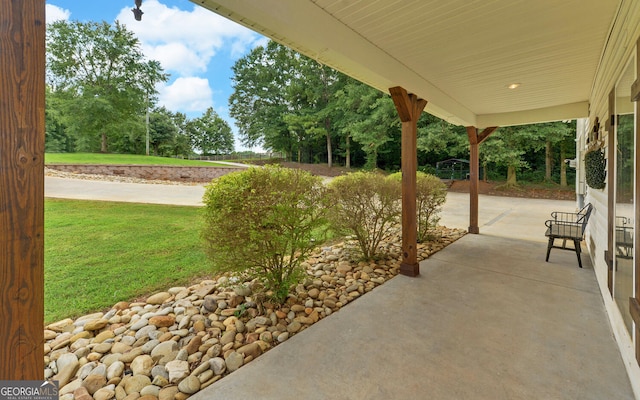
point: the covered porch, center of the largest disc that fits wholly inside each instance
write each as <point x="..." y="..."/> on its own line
<point x="481" y="65"/>
<point x="486" y="319"/>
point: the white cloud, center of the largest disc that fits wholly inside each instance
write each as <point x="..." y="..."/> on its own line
<point x="185" y="41"/>
<point x="55" y="13"/>
<point x="176" y="56"/>
<point x="188" y="94"/>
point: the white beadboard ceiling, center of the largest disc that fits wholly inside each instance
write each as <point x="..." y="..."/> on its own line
<point x="459" y="55"/>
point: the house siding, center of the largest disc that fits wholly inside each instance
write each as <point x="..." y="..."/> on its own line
<point x="625" y="32"/>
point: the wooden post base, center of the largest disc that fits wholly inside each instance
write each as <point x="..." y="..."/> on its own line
<point x="411" y="270"/>
<point x="473" y="229"/>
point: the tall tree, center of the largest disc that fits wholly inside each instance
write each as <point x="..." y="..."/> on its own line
<point x="181" y="142"/>
<point x="567" y="150"/>
<point x="57" y="140"/>
<point x="348" y="100"/>
<point x="506" y="147"/>
<point x="311" y="94"/>
<point x="259" y="100"/>
<point x="550" y="136"/>
<point x="102" y="81"/>
<point x="284" y="100"/>
<point x="440" y="140"/>
<point x="369" y="118"/>
<point x="510" y="146"/>
<point x="162" y="131"/>
<point x="211" y="134"/>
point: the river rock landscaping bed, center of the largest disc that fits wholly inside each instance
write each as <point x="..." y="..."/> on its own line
<point x="178" y="342"/>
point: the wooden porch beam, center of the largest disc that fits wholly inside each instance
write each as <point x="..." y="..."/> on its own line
<point x="22" y="84"/>
<point x="475" y="139"/>
<point x="409" y="108"/>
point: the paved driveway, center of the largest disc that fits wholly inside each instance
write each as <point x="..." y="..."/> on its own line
<point x="517" y="218"/>
<point x="80" y="189"/>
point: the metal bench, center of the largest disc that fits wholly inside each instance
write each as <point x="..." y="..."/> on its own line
<point x="568" y="227"/>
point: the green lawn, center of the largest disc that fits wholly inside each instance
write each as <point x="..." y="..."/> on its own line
<point x="135" y="159"/>
<point x="99" y="253"/>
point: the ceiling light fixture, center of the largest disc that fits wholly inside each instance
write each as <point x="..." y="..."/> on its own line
<point x="513" y="85"/>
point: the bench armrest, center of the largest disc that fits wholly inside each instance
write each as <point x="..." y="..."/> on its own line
<point x="551" y="222"/>
<point x="559" y="216"/>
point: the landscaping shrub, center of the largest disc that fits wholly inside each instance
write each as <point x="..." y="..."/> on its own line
<point x="427" y="169"/>
<point x="365" y="204"/>
<point x="264" y="221"/>
<point x="431" y="194"/>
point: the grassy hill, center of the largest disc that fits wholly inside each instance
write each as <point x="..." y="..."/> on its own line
<point x="131" y="159"/>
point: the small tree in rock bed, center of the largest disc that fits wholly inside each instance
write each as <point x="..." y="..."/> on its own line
<point x="431" y="194"/>
<point x="264" y="221"/>
<point x="365" y="204"/>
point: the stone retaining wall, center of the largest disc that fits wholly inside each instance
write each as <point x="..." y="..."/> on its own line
<point x="159" y="172"/>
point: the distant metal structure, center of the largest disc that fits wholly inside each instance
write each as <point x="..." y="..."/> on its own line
<point x="453" y="168"/>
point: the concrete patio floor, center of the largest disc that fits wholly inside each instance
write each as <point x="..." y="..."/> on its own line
<point x="487" y="318"/>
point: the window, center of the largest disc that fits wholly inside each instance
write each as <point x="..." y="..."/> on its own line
<point x="623" y="270"/>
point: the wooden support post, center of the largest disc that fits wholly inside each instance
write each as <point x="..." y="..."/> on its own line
<point x="474" y="169"/>
<point x="22" y="88"/>
<point x="474" y="172"/>
<point x="409" y="108"/>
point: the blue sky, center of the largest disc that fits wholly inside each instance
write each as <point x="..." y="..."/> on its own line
<point x="195" y="46"/>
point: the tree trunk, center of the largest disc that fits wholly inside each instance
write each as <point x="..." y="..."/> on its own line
<point x="374" y="160"/>
<point x="563" y="167"/>
<point x="348" y="152"/>
<point x="327" y="126"/>
<point x="547" y="161"/>
<point x="103" y="143"/>
<point x="484" y="173"/>
<point x="511" y="176"/>
<point x="327" y="120"/>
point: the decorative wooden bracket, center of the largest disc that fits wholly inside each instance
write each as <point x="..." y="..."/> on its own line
<point x="409" y="106"/>
<point x="476" y="137"/>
